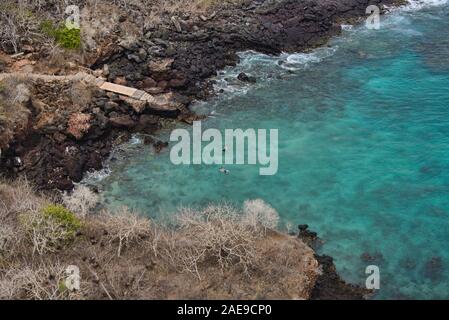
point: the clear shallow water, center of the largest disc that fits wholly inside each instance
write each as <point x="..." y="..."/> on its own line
<point x="363" y="151"/>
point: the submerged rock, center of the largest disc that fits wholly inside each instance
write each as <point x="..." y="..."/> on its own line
<point x="434" y="268"/>
<point x="246" y="78"/>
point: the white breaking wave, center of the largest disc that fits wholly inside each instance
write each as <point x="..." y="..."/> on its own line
<point x="266" y="68"/>
<point x="97" y="176"/>
<point x="414" y="5"/>
<point x="135" y="139"/>
<point x="301" y="61"/>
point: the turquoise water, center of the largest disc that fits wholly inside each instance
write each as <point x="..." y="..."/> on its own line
<point x="363" y="151"/>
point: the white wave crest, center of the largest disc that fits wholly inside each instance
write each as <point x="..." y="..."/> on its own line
<point x="300" y="61"/>
<point x="414" y="5"/>
<point x="97" y="176"/>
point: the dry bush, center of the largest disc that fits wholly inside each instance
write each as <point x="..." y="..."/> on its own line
<point x="36" y="282"/>
<point x="19" y="197"/>
<point x="14" y="114"/>
<point x="81" y="201"/>
<point x="123" y="228"/>
<point x="44" y="234"/>
<point x="259" y="214"/>
<point x="8" y="239"/>
<point x="17" y="25"/>
<point x="15" y="198"/>
<point x="167" y="6"/>
<point x="28" y="218"/>
<point x="214" y="235"/>
<point x="21" y="21"/>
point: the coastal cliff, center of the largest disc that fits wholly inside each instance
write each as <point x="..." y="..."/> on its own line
<point x="54" y="130"/>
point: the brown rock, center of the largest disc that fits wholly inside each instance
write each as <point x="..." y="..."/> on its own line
<point x="19" y="65"/>
<point x="149" y="83"/>
<point x="176" y="23"/>
<point x="122" y="122"/>
<point x="177" y="83"/>
<point x="121" y="81"/>
<point x="162" y="84"/>
<point x="59" y="137"/>
<point x="137" y="105"/>
<point x="165" y="104"/>
<point x="44" y="120"/>
<point x="159" y="66"/>
<point x="148" y="123"/>
<point x="79" y="125"/>
<point x="38" y="105"/>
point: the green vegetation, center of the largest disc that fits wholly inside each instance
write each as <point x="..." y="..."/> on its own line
<point x="65" y="37"/>
<point x="50" y="228"/>
<point x="63" y="217"/>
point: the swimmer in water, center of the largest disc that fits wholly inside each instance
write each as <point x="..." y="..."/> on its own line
<point x="225" y="148"/>
<point x="225" y="171"/>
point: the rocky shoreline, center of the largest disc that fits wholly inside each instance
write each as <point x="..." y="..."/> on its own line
<point x="329" y="285"/>
<point x="174" y="62"/>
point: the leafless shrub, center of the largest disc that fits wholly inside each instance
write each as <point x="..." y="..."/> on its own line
<point x="15" y="198"/>
<point x="259" y="214"/>
<point x="19" y="197"/>
<point x="8" y="239"/>
<point x="81" y="201"/>
<point x="124" y="228"/>
<point x="17" y="25"/>
<point x="45" y="234"/>
<point x="38" y="282"/>
<point x="215" y="235"/>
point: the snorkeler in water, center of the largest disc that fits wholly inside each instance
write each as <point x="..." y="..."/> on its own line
<point x="225" y="171"/>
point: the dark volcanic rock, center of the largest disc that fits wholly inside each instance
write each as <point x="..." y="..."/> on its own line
<point x="309" y="237"/>
<point x="246" y="78"/>
<point x="329" y="285"/>
<point x="183" y="61"/>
